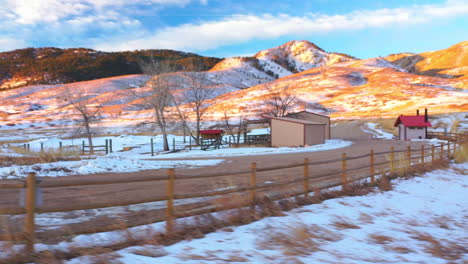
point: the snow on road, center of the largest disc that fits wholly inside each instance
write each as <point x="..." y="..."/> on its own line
<point x="137" y="155"/>
<point x="251" y="151"/>
<point x="372" y="128"/>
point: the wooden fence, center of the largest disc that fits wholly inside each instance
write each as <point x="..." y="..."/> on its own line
<point x="392" y="161"/>
<point x="455" y="137"/>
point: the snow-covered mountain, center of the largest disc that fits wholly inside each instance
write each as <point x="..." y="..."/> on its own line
<point x="297" y="56"/>
<point x="271" y="64"/>
<point x="334" y="84"/>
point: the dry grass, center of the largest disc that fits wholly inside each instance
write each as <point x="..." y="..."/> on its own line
<point x="380" y="239"/>
<point x="455" y="125"/>
<point x="344" y="223"/>
<point x="298" y="239"/>
<point x="461" y="155"/>
<point x="442" y="249"/>
<point x="46" y="156"/>
<point x="384" y="183"/>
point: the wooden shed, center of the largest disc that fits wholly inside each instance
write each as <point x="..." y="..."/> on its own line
<point x="291" y="132"/>
<point x="314" y="117"/>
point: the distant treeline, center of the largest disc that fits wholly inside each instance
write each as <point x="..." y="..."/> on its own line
<point x="54" y="65"/>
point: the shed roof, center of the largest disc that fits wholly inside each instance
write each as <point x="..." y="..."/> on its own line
<point x="307" y="112"/>
<point x="299" y="121"/>
<point x="412" y="121"/>
<point x="211" y="132"/>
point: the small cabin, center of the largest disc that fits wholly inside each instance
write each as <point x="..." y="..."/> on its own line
<point x="413" y="127"/>
<point x="292" y="132"/>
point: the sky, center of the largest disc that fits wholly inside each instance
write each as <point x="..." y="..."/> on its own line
<point x="225" y="28"/>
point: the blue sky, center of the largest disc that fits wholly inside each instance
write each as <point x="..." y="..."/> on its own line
<point x="223" y="28"/>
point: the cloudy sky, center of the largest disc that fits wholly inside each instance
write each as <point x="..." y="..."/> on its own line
<point x="222" y="28"/>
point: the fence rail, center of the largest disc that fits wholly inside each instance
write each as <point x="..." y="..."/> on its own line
<point x="342" y="174"/>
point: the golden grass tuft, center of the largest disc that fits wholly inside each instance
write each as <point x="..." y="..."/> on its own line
<point x="461" y="155"/>
<point x="344" y="223"/>
<point x="442" y="249"/>
<point x="48" y="155"/>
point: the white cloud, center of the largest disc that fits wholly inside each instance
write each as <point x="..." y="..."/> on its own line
<point x="242" y="28"/>
<point x="29" y="12"/>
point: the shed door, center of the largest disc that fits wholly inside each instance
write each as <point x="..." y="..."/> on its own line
<point x="314" y="134"/>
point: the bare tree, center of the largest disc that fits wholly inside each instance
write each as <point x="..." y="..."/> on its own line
<point x="234" y="130"/>
<point x="159" y="96"/>
<point x="278" y="102"/>
<point x="195" y="100"/>
<point x="89" y="111"/>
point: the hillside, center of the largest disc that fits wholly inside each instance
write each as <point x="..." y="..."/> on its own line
<point x="53" y="65"/>
<point x="451" y="62"/>
<point x="365" y="88"/>
<point x="328" y="83"/>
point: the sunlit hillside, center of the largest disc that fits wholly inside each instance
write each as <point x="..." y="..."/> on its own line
<point x="450" y="62"/>
<point x="329" y="83"/>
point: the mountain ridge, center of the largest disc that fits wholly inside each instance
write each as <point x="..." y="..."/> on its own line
<point x="50" y="65"/>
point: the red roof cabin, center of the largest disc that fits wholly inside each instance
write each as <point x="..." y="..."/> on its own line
<point x="413" y="127"/>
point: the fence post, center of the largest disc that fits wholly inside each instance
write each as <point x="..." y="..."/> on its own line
<point x="448" y="150"/>
<point x="173" y="143"/>
<point x="392" y="160"/>
<point x="110" y="145"/>
<point x="408" y="157"/>
<point x="30" y="206"/>
<point x="422" y="155"/>
<point x="344" y="177"/>
<point x="29" y="147"/>
<point x="152" y="147"/>
<point x="306" y="177"/>
<point x="60" y="146"/>
<point x="42" y="146"/>
<point x="83" y="147"/>
<point x="107" y="146"/>
<point x="432" y="154"/>
<point x="253" y="183"/>
<point x="442" y="151"/>
<point x="372" y="169"/>
<point x="170" y="201"/>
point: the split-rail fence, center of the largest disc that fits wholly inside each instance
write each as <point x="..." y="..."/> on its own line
<point x="379" y="163"/>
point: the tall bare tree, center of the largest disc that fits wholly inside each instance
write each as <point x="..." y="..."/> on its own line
<point x="195" y="99"/>
<point x="89" y="110"/>
<point x="278" y="102"/>
<point x="199" y="98"/>
<point x="159" y="95"/>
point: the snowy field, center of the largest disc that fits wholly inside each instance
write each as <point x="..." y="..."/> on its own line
<point x="422" y="220"/>
<point x="409" y="224"/>
<point x="133" y="153"/>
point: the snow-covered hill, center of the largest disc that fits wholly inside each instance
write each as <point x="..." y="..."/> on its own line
<point x="330" y="83"/>
<point x="297" y="56"/>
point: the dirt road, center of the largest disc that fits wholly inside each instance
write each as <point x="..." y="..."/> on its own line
<point x="135" y="191"/>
